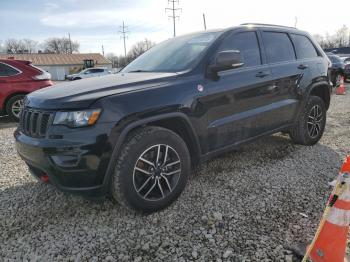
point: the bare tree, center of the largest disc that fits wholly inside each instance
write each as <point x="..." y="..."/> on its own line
<point x="341" y="38"/>
<point x="136" y="50"/>
<point x="139" y="48"/>
<point x="14" y="46"/>
<point x="61" y="45"/>
<point x="30" y="45"/>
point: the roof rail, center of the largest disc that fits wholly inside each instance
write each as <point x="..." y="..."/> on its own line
<point x="267" y="25"/>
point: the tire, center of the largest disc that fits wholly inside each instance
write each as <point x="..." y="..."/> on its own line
<point x="76" y="78"/>
<point x="310" y="125"/>
<point x="13" y="106"/>
<point x="142" y="185"/>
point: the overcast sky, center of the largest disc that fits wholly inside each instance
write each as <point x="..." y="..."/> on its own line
<point x="96" y="22"/>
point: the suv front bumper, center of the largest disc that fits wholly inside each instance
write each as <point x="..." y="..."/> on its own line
<point x="75" y="163"/>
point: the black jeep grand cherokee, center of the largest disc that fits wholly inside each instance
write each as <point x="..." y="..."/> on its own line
<point x="136" y="135"/>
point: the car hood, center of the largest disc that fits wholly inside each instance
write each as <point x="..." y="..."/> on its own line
<point x="82" y="93"/>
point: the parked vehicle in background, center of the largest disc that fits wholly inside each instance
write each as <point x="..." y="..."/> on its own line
<point x="337" y="69"/>
<point x="345" y="59"/>
<point x="89" y="72"/>
<point x="347" y="71"/>
<point x="137" y="134"/>
<point x="17" y="79"/>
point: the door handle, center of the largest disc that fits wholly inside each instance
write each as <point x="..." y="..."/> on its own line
<point x="302" y="66"/>
<point x="262" y="74"/>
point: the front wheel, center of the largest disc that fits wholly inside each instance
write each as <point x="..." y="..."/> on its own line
<point x="310" y="125"/>
<point x="152" y="169"/>
<point x="14" y="105"/>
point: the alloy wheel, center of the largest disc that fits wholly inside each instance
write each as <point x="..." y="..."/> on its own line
<point x="157" y="172"/>
<point x="314" y="122"/>
<point x="16" y="107"/>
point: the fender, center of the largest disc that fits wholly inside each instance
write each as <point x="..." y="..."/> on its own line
<point x="306" y="94"/>
<point x="328" y="91"/>
<point x="139" y="123"/>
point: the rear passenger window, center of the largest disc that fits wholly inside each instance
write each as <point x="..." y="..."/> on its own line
<point x="6" y="70"/>
<point x="247" y="44"/>
<point x="303" y="47"/>
<point x="278" y="47"/>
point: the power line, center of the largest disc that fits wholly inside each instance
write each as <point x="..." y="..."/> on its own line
<point x="123" y="31"/>
<point x="173" y="10"/>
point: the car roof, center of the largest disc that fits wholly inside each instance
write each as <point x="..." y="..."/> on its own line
<point x="15" y="60"/>
<point x="259" y="26"/>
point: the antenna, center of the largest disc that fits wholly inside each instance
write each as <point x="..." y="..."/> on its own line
<point x="173" y="10"/>
<point x="205" y="24"/>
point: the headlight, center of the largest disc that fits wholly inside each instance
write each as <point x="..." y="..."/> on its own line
<point x="77" y="118"/>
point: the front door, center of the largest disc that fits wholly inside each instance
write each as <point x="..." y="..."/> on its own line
<point x="239" y="102"/>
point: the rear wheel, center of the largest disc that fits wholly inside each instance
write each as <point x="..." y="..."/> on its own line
<point x="309" y="128"/>
<point x="152" y="169"/>
<point x="14" y="105"/>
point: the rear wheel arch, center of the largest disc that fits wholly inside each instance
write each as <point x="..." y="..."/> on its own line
<point x="321" y="90"/>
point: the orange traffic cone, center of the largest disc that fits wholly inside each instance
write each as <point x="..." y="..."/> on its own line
<point x="329" y="243"/>
<point x="341" y="87"/>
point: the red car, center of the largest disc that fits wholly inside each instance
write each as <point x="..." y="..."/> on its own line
<point x="18" y="78"/>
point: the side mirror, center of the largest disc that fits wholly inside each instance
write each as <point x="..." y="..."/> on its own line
<point x="226" y="60"/>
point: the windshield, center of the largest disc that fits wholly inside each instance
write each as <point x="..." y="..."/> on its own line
<point x="177" y="54"/>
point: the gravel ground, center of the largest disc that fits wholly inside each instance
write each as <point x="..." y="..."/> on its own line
<point x="255" y="204"/>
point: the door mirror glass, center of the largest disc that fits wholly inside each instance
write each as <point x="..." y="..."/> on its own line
<point x="228" y="59"/>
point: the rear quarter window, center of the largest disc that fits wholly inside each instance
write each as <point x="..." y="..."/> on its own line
<point x="278" y="47"/>
<point x="7" y="70"/>
<point x="303" y="47"/>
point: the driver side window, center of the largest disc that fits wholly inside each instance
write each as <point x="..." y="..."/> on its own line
<point x="247" y="44"/>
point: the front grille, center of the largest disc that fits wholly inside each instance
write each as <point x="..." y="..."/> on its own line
<point x="35" y="122"/>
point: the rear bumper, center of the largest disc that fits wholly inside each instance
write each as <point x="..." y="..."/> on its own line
<point x="76" y="165"/>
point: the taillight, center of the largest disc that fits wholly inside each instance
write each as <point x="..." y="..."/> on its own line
<point x="42" y="76"/>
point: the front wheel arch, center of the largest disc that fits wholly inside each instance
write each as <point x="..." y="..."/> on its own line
<point x="158" y="120"/>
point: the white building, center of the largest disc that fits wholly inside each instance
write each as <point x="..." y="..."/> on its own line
<point x="60" y="65"/>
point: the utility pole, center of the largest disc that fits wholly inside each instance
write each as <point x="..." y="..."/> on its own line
<point x="70" y="44"/>
<point x="205" y="24"/>
<point x="296" y="22"/>
<point x="103" y="51"/>
<point x="124" y="31"/>
<point x="173" y="10"/>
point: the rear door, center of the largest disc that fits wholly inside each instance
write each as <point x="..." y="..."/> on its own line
<point x="310" y="61"/>
<point x="238" y="102"/>
<point x="286" y="76"/>
<point x="8" y="80"/>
